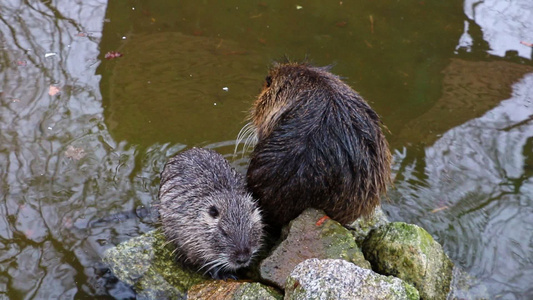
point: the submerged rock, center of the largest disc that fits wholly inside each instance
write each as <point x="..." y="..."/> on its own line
<point x="466" y="286"/>
<point x="233" y="290"/>
<point x="339" y="279"/>
<point x="410" y="253"/>
<point x="146" y="263"/>
<point x="310" y="235"/>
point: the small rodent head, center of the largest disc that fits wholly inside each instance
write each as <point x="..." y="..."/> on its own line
<point x="234" y="229"/>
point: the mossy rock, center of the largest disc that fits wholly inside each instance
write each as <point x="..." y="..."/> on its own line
<point x="411" y="254"/>
<point x="147" y="263"/>
<point x="310" y="235"/>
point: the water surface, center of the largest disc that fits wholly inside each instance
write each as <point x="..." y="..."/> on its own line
<point x="83" y="138"/>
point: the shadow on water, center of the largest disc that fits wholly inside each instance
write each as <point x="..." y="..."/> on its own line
<point x="83" y="139"/>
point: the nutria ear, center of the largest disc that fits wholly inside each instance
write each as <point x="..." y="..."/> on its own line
<point x="268" y="80"/>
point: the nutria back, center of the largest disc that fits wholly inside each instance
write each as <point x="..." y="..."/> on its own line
<point x="207" y="213"/>
<point x="319" y="145"/>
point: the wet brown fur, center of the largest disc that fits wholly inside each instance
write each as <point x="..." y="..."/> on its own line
<point x="319" y="145"/>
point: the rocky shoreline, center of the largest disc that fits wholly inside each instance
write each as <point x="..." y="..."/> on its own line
<point x="315" y="258"/>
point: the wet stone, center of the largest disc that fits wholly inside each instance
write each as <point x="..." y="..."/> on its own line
<point x="361" y="227"/>
<point x="310" y="235"/>
<point x="410" y="253"/>
<point x="147" y="264"/>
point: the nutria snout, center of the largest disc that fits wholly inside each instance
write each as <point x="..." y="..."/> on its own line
<point x="207" y="213"/>
<point x="319" y="144"/>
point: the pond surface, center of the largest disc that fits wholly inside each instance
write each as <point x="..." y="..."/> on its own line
<point x="84" y="138"/>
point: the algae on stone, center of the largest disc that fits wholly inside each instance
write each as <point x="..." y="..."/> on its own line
<point x="130" y="260"/>
<point x="399" y="249"/>
<point x="361" y="227"/>
<point x="410" y="253"/>
<point x="310" y="235"/>
<point x="339" y="279"/>
<point x="146" y="262"/>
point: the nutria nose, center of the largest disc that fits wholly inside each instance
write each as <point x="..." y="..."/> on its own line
<point x="243" y="255"/>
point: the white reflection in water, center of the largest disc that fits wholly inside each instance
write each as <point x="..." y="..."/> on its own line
<point x="504" y="24"/>
<point x="465" y="41"/>
<point x="48" y="198"/>
<point x="481" y="174"/>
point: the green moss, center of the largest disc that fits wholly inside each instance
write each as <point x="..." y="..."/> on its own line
<point x="164" y="264"/>
<point x="410" y="253"/>
<point x="146" y="262"/>
<point x="341" y="244"/>
<point x="256" y="290"/>
<point x="411" y="292"/>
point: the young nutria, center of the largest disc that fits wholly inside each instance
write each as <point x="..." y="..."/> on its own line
<point x="207" y="213"/>
<point x="319" y="144"/>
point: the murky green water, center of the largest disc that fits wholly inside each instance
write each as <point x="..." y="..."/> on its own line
<point x="450" y="79"/>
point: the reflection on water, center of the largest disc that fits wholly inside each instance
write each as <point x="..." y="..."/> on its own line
<point x="479" y="174"/>
<point x="47" y="249"/>
<point x="504" y="24"/>
<point x="469" y="89"/>
<point x="79" y="169"/>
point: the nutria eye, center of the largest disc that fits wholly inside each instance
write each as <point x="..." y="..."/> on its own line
<point x="213" y="211"/>
<point x="268" y="81"/>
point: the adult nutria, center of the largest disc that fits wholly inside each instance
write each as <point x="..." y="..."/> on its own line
<point x="207" y="213"/>
<point x="319" y="144"/>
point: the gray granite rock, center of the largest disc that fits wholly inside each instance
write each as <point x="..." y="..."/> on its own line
<point x="339" y="279"/>
<point x="310" y="235"/>
<point x="410" y="253"/>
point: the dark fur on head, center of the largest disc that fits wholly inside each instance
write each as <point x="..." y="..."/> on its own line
<point x="319" y="144"/>
<point x="207" y="213"/>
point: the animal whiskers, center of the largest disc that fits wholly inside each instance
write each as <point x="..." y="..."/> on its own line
<point x="247" y="134"/>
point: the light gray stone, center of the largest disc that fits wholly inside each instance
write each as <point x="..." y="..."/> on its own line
<point x="339" y="279"/>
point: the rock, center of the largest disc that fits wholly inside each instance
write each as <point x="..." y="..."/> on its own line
<point x="146" y="263"/>
<point x="310" y="235"/>
<point x="339" y="279"/>
<point x="233" y="290"/>
<point x="410" y="253"/>
<point x="362" y="226"/>
<point x="465" y="286"/>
